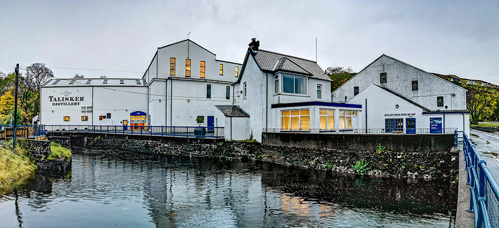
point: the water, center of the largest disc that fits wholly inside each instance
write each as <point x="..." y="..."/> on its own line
<point x="182" y="192"/>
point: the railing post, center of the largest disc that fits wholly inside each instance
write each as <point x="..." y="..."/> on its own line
<point x="162" y="130"/>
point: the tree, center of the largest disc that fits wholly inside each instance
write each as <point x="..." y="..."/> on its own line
<point x="339" y="75"/>
<point x="481" y="103"/>
<point x="36" y="75"/>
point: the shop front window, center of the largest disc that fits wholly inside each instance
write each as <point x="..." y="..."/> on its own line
<point x="326" y="119"/>
<point x="295" y="120"/>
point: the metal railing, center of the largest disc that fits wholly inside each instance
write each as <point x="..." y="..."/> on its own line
<point x="23" y="131"/>
<point x="172" y="131"/>
<point x="359" y="131"/>
<point x="484" y="199"/>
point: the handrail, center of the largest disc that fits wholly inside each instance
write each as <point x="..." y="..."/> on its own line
<point x="481" y="181"/>
<point x="175" y="131"/>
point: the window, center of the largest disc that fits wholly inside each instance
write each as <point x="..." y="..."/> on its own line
<point x="346" y="118"/>
<point x="108" y="115"/>
<point x="415" y="85"/>
<point x="208" y="91"/>
<point x="355" y="90"/>
<point x="237" y="72"/>
<point x="221" y="69"/>
<point x="382" y="78"/>
<point x="276" y="84"/>
<point x="227" y="92"/>
<point x="440" y="101"/>
<point x="85" y="109"/>
<point x="203" y="65"/>
<point x="327" y="119"/>
<point x="295" y="119"/>
<point x="102" y="117"/>
<point x="294" y="84"/>
<point x="319" y="91"/>
<point x="187" y="67"/>
<point x="67" y="118"/>
<point x="394" y="125"/>
<point x="84" y="118"/>
<point x="244" y="90"/>
<point x="172" y="66"/>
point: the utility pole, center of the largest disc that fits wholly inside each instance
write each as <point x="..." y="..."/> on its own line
<point x="15" y="107"/>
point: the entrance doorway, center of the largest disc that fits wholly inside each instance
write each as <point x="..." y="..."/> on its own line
<point x="211" y="123"/>
<point x="410" y="126"/>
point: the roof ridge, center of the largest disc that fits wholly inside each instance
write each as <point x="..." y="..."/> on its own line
<point x="403" y="97"/>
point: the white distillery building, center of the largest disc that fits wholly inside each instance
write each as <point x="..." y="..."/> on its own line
<point x="400" y="98"/>
<point x="280" y="93"/>
<point x="184" y="81"/>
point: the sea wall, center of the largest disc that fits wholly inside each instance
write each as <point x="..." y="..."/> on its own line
<point x="378" y="161"/>
<point x="39" y="151"/>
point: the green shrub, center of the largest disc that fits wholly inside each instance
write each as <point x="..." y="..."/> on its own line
<point x="361" y="167"/>
<point x="57" y="151"/>
<point x="380" y="149"/>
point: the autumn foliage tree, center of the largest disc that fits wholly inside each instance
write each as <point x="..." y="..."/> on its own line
<point x="481" y="103"/>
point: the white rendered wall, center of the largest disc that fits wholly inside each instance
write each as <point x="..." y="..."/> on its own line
<point x="119" y="101"/>
<point x="292" y="98"/>
<point x="399" y="79"/>
<point x="240" y="128"/>
<point x="158" y="102"/>
<point x="187" y="100"/>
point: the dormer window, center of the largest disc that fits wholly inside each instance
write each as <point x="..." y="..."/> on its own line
<point x="294" y="84"/>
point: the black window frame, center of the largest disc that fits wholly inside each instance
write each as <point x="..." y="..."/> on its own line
<point x="355" y="90"/>
<point x="208" y="91"/>
<point x="415" y="85"/>
<point x="227" y="92"/>
<point x="440" y="101"/>
<point x="383" y="77"/>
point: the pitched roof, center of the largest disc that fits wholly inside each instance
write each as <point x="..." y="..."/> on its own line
<point x="267" y="60"/>
<point x="79" y="82"/>
<point x="232" y="110"/>
<point x="404" y="98"/>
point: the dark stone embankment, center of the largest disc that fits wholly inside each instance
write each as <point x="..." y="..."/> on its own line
<point x="380" y="162"/>
<point x="39" y="151"/>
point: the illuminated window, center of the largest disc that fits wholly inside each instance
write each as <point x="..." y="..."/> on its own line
<point x="84" y="118"/>
<point x="172" y="66"/>
<point x="221" y="69"/>
<point x="237" y="72"/>
<point x="102" y="117"/>
<point x="67" y="118"/>
<point x="327" y="119"/>
<point x="203" y="65"/>
<point x="187" y="67"/>
<point x="295" y="120"/>
<point x="346" y="118"/>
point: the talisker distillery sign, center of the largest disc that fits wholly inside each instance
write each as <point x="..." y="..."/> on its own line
<point x="65" y="101"/>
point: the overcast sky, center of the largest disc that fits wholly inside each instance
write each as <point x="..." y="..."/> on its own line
<point x="447" y="37"/>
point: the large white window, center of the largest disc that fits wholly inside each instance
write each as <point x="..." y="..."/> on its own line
<point x="346" y="118"/>
<point x="295" y="119"/>
<point x="327" y="119"/>
<point x="294" y="84"/>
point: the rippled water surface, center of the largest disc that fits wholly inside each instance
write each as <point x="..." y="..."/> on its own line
<point x="182" y="192"/>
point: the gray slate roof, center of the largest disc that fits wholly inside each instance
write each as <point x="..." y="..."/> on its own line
<point x="232" y="111"/>
<point x="267" y="60"/>
<point x="78" y="82"/>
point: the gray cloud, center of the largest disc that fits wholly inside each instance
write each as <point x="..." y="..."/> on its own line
<point x="448" y="37"/>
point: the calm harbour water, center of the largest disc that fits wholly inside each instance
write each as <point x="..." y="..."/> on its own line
<point x="182" y="192"/>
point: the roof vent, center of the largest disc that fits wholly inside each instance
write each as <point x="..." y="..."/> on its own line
<point x="138" y="81"/>
<point x="122" y="82"/>
<point x="105" y="81"/>
<point x="56" y="81"/>
<point x="88" y="81"/>
<point x="72" y="82"/>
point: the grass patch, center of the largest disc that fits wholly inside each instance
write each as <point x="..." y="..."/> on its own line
<point x="58" y="151"/>
<point x="14" y="167"/>
<point x="485" y="125"/>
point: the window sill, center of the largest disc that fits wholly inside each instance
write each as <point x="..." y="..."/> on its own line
<point x="291" y="94"/>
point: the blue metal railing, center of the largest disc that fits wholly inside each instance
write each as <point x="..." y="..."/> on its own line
<point x="172" y="131"/>
<point x="484" y="200"/>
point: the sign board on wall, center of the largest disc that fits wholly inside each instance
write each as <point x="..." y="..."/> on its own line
<point x="435" y="125"/>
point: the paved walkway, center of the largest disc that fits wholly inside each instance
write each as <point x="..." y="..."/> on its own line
<point x="464" y="219"/>
<point x="487" y="145"/>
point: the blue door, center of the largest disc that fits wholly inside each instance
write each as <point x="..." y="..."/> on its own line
<point x="410" y="126"/>
<point x="435" y="125"/>
<point x="211" y="123"/>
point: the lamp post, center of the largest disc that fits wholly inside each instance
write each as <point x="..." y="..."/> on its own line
<point x="15" y="107"/>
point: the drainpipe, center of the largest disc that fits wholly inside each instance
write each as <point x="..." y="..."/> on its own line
<point x="171" y="100"/>
<point x="266" y="101"/>
<point x="366" y="115"/>
<point x="230" y="128"/>
<point x="166" y="102"/>
<point x="444" y="121"/>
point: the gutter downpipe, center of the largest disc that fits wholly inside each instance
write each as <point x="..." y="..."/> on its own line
<point x="231" y="128"/>
<point x="166" y="102"/>
<point x="366" y="116"/>
<point x="171" y="100"/>
<point x="444" y="122"/>
<point x="266" y="101"/>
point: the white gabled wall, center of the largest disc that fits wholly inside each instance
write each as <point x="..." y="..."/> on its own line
<point x="157" y="102"/>
<point x="399" y="79"/>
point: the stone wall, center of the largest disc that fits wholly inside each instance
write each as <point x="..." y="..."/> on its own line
<point x="359" y="142"/>
<point x="39" y="151"/>
<point x="405" y="164"/>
